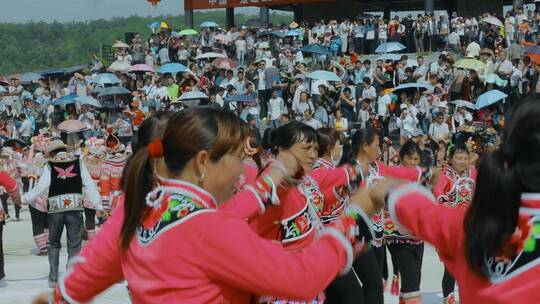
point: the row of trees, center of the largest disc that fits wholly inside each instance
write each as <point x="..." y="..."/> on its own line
<point x="35" y="46"/>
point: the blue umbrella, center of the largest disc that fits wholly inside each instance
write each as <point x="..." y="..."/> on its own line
<point x="64" y="100"/>
<point x="30" y="77"/>
<point x="390" y="47"/>
<point x="106" y="78"/>
<point x="489" y="98"/>
<point x="172" y="68"/>
<point x="315" y="49"/>
<point x="324" y="75"/>
<point x="294" y="33"/>
<point x="209" y="24"/>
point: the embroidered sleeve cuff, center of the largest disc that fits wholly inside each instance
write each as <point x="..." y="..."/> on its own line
<point x="396" y="195"/>
<point x="338" y="235"/>
<point x="364" y="223"/>
<point x="262" y="207"/>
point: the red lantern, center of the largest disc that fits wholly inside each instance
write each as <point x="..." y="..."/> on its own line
<point x="154" y="2"/>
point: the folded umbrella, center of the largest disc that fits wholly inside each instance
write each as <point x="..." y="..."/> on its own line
<point x="470" y="64"/>
<point x="324" y="75"/>
<point x="172" y="68"/>
<point x="489" y="98"/>
<point x="390" y="47"/>
<point x="64" y="100"/>
<point x="106" y="78"/>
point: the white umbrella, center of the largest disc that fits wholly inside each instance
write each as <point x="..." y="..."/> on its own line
<point x="120" y="44"/>
<point x="210" y="55"/>
<point x="463" y="104"/>
<point x="193" y="95"/>
<point x="493" y="20"/>
<point x="88" y="100"/>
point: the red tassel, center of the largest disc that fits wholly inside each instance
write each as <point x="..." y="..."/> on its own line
<point x="155" y="149"/>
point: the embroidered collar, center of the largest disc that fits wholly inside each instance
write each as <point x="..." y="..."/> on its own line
<point x="185" y="187"/>
<point x="323" y="163"/>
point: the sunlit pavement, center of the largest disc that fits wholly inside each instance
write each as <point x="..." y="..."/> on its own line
<point x="26" y="273"/>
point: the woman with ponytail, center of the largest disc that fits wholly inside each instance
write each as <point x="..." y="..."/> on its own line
<point x="364" y="152"/>
<point x="172" y="245"/>
<point x="491" y="247"/>
<point x="303" y="210"/>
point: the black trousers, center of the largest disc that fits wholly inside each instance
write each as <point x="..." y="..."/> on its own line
<point x="369" y="272"/>
<point x="90" y="218"/>
<point x="4" y="197"/>
<point x="39" y="221"/>
<point x="2" y="274"/>
<point x="448" y="283"/>
<point x="345" y="289"/>
<point x="409" y="259"/>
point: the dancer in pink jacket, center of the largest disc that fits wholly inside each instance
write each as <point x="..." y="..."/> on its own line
<point x="172" y="245"/>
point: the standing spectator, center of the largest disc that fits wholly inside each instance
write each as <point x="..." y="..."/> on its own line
<point x="276" y="108"/>
<point x="310" y="121"/>
<point x="382" y="31"/>
<point x="241" y="47"/>
<point x="25" y="130"/>
<point x="321" y="114"/>
<point x="346" y="104"/>
<point x="383" y="113"/>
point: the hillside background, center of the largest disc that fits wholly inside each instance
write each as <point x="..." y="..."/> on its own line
<point x="34" y="46"/>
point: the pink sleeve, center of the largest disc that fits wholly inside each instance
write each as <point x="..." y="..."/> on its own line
<point x="413" y="210"/>
<point x="328" y="179"/>
<point x="438" y="189"/>
<point x="413" y="174"/>
<point x="7" y="182"/>
<point x="263" y="267"/>
<point x="245" y="203"/>
<point x="98" y="265"/>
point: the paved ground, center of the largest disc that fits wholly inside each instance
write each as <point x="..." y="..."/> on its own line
<point x="26" y="274"/>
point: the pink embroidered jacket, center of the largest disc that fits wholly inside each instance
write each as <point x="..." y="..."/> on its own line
<point x="454" y="190"/>
<point x="515" y="280"/>
<point x="193" y="253"/>
<point x="296" y="220"/>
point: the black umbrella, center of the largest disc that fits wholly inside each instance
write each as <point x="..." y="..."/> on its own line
<point x="276" y="34"/>
<point x="242" y="98"/>
<point x="114" y="90"/>
<point x="13" y="142"/>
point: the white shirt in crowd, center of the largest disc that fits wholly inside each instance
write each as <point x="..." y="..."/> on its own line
<point x="314" y="123"/>
<point x="369" y="93"/>
<point x="276" y="107"/>
<point x="382" y="105"/>
<point x="439" y="131"/>
<point x="406" y="124"/>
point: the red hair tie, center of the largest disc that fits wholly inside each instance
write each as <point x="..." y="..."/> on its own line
<point x="155" y="149"/>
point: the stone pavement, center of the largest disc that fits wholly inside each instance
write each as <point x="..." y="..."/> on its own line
<point x="26" y="274"/>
